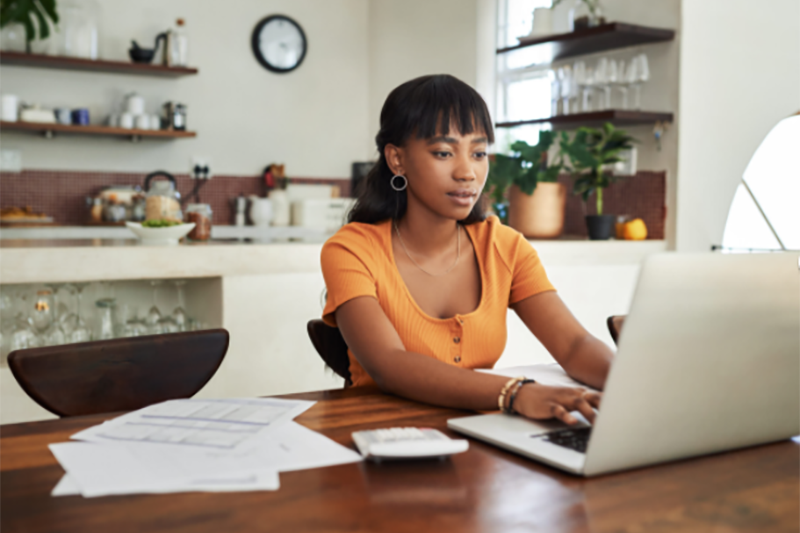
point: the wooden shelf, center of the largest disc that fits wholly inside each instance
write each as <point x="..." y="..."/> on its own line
<point x="49" y="129"/>
<point x="21" y="59"/>
<point x="618" y="117"/>
<point x="609" y="36"/>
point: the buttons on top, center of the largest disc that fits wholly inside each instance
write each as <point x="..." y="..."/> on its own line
<point x="456" y="339"/>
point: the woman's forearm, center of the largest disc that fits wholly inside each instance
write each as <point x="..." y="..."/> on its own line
<point x="422" y="378"/>
<point x="589" y="361"/>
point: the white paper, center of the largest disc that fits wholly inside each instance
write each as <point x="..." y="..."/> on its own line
<point x="66" y="487"/>
<point x="101" y="470"/>
<point x="546" y="374"/>
<point x="131" y="467"/>
<point x="224" y="424"/>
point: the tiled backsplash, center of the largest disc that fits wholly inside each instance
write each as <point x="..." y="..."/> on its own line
<point x="62" y="195"/>
<point x="642" y="196"/>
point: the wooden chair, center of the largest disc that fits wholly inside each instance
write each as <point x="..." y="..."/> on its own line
<point x="614" y="324"/>
<point x="331" y="347"/>
<point x="119" y="374"/>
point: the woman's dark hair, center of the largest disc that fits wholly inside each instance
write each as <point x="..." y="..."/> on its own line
<point x="424" y="107"/>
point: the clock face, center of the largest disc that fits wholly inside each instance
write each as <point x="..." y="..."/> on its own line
<point x="279" y="43"/>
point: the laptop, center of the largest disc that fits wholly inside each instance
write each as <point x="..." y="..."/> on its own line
<point x="708" y="361"/>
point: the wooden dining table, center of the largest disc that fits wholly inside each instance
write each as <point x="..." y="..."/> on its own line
<point x="485" y="489"/>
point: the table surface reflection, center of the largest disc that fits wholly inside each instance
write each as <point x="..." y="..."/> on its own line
<point x="483" y="490"/>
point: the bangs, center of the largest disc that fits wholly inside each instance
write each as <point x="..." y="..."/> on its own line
<point x="431" y="105"/>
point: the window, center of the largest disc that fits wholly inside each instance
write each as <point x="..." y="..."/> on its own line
<point x="765" y="212"/>
<point x="523" y="91"/>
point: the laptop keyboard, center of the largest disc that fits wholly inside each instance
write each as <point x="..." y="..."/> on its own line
<point x="575" y="439"/>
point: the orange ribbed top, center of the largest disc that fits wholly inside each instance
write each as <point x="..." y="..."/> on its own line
<point x="358" y="261"/>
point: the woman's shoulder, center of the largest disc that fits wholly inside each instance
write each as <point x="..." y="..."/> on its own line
<point x="359" y="238"/>
<point x="492" y="231"/>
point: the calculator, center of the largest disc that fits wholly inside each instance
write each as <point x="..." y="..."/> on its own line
<point x="406" y="443"/>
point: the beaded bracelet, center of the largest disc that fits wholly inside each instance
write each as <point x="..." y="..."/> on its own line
<point x="501" y="400"/>
<point x="514" y="393"/>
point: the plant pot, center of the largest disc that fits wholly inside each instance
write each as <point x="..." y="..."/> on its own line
<point x="601" y="227"/>
<point x="539" y="215"/>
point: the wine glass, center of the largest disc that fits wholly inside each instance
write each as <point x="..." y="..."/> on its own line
<point x="132" y="325"/>
<point x="631" y="75"/>
<point x="642" y="77"/>
<point x="601" y="82"/>
<point x="44" y="321"/>
<point x="613" y="80"/>
<point x="153" y="318"/>
<point x="565" y="75"/>
<point x="179" y="313"/>
<point x="555" y="93"/>
<point x="80" y="332"/>
<point x="21" y="334"/>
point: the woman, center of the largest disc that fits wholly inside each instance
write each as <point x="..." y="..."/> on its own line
<point x="419" y="280"/>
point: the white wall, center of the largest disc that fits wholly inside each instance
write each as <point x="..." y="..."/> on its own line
<point x="314" y="119"/>
<point x="412" y="38"/>
<point x="740" y="75"/>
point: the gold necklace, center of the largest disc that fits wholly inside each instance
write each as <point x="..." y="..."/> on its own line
<point x="458" y="251"/>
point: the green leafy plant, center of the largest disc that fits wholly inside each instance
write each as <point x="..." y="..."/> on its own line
<point x="23" y="12"/>
<point x="525" y="167"/>
<point x="590" y="152"/>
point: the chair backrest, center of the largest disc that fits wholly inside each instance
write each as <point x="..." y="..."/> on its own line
<point x="614" y="324"/>
<point x="331" y="347"/>
<point x="119" y="374"/>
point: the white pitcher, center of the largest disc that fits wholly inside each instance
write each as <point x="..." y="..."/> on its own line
<point x="260" y="210"/>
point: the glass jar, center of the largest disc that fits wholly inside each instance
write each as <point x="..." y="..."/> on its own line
<point x="201" y="215"/>
<point x="585" y="14"/>
<point x="163" y="198"/>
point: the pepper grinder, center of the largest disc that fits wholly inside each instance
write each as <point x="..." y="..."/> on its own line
<point x="241" y="205"/>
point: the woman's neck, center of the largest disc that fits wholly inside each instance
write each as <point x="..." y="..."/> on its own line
<point x="426" y="232"/>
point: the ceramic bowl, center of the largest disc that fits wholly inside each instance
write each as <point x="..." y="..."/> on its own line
<point x="160" y="236"/>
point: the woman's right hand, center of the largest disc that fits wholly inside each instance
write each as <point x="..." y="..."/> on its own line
<point x="542" y="402"/>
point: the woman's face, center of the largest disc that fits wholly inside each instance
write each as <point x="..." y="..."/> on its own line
<point x="446" y="173"/>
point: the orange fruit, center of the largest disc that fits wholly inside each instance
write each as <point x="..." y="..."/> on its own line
<point x="635" y="230"/>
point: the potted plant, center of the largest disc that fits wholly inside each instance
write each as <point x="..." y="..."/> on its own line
<point x="590" y="152"/>
<point x="24" y="11"/>
<point x="536" y="200"/>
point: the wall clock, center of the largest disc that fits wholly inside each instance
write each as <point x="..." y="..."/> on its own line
<point x="279" y="44"/>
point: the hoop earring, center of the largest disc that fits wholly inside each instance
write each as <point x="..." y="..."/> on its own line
<point x="400" y="188"/>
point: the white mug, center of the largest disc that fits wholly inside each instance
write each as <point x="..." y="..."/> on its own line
<point x="126" y="121"/>
<point x="142" y="122"/>
<point x="155" y="122"/>
<point x="134" y="104"/>
<point x="9" y="108"/>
